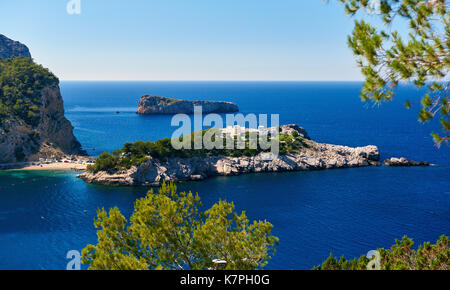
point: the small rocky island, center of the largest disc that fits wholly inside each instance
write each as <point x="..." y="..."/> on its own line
<point x="297" y="153"/>
<point x="154" y="105"/>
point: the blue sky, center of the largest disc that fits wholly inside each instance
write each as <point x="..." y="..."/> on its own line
<point x="185" y="39"/>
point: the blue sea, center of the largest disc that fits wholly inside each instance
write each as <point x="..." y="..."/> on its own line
<point x="43" y="215"/>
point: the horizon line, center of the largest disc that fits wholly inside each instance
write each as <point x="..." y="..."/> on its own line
<point x="311" y="81"/>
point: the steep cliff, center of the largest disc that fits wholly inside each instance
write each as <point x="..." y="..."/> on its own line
<point x="32" y="122"/>
<point x="150" y="104"/>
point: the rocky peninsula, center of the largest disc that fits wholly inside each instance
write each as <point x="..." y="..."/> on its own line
<point x="154" y="105"/>
<point x="312" y="156"/>
<point x="32" y="121"/>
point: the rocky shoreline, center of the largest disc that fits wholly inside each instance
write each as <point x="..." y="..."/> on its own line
<point x="315" y="156"/>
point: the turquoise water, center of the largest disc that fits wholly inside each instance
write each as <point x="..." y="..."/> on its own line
<point x="348" y="212"/>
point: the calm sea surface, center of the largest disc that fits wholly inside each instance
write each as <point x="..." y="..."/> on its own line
<point x="43" y="215"/>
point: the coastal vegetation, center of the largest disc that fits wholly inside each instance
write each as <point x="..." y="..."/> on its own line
<point x="169" y="231"/>
<point x="401" y="256"/>
<point x="387" y="57"/>
<point x="134" y="154"/>
<point x="21" y="83"/>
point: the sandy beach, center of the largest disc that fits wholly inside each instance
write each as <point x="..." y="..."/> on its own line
<point x="79" y="165"/>
<point x="55" y="166"/>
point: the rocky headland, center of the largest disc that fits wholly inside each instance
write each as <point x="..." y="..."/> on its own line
<point x="32" y="121"/>
<point x="154" y="105"/>
<point x="313" y="156"/>
<point x="11" y="48"/>
<point x="403" y="162"/>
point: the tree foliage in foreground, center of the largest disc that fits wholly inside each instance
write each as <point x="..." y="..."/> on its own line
<point x="168" y="231"/>
<point x="400" y="256"/>
<point x="423" y="56"/>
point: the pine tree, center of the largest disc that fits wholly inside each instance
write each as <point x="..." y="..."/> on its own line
<point x="423" y="56"/>
<point x="168" y="231"/>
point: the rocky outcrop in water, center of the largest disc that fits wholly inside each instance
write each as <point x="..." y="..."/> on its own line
<point x="314" y="156"/>
<point x="154" y="105"/>
<point x="403" y="162"/>
<point x="11" y="48"/>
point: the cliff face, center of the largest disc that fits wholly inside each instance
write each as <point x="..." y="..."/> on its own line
<point x="32" y="122"/>
<point x="150" y="104"/>
<point x="54" y="127"/>
<point x="11" y="48"/>
<point x="315" y="156"/>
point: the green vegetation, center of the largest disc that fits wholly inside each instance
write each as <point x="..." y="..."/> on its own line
<point x="133" y="154"/>
<point x="168" y="231"/>
<point x="165" y="101"/>
<point x="291" y="143"/>
<point x="401" y="256"/>
<point x="423" y="56"/>
<point x="21" y="82"/>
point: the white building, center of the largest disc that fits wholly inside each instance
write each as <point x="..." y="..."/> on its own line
<point x="237" y="130"/>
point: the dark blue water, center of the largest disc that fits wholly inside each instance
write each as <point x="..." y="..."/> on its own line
<point x="347" y="212"/>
